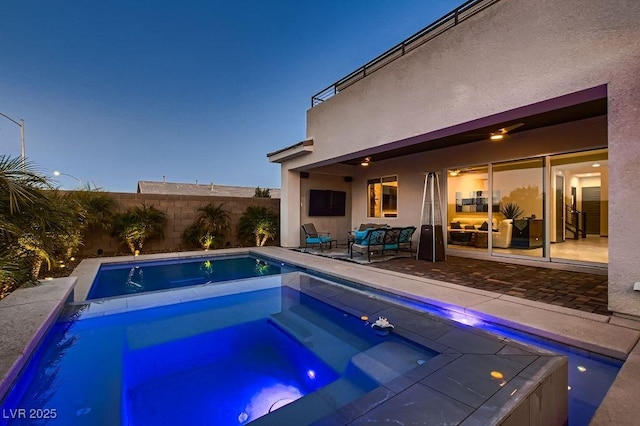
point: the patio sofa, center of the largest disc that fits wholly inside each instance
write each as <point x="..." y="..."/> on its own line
<point x="381" y="240"/>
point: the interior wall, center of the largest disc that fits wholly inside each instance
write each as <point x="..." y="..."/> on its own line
<point x="465" y="183"/>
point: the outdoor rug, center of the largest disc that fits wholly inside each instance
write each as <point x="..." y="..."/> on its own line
<point x="357" y="258"/>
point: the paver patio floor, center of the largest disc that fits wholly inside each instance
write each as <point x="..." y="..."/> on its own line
<point x="575" y="290"/>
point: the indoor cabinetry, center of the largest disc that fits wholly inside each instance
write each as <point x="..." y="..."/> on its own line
<point x="527" y="233"/>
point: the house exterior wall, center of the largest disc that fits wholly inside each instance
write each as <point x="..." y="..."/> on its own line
<point x="337" y="226"/>
<point x="181" y="211"/>
<point x="512" y="54"/>
<point x="583" y="134"/>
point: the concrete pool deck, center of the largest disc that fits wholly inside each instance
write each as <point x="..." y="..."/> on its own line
<point x="610" y="336"/>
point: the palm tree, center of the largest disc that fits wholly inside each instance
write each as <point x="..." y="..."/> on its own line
<point x="95" y="209"/>
<point x="139" y="224"/>
<point x="209" y="228"/>
<point x="30" y="225"/>
<point x="258" y="224"/>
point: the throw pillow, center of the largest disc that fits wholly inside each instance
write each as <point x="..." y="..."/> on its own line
<point x="359" y="236"/>
<point x="469" y="227"/>
<point x="455" y="225"/>
<point x="484" y="226"/>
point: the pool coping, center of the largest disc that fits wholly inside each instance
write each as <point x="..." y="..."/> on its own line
<point x="25" y="317"/>
<point x="593" y="332"/>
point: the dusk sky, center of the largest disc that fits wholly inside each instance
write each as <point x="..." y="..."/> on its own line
<point x="113" y="92"/>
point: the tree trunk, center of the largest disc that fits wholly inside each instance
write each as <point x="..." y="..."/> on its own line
<point x="35" y="269"/>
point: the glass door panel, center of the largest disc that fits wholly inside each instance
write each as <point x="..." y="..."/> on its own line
<point x="468" y="208"/>
<point x="518" y="220"/>
<point x="579" y="208"/>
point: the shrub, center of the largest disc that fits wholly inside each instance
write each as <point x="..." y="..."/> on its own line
<point x="262" y="193"/>
<point x="209" y="228"/>
<point x="257" y="225"/>
<point x="138" y="225"/>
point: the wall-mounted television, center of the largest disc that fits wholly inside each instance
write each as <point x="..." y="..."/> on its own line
<point x="327" y="202"/>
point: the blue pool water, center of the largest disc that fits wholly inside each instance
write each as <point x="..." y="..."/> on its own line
<point x="139" y="277"/>
<point x="224" y="360"/>
<point x="231" y="356"/>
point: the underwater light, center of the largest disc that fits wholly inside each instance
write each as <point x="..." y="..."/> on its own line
<point x="497" y="375"/>
<point x="269" y="399"/>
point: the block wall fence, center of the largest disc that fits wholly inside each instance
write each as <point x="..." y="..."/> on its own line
<point x="181" y="211"/>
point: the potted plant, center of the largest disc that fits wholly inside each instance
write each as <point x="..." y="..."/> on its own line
<point x="511" y="210"/>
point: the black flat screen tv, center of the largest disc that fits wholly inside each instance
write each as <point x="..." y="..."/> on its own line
<point x="327" y="202"/>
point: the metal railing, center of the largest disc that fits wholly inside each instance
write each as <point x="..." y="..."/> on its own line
<point x="436" y="28"/>
<point x="576" y="222"/>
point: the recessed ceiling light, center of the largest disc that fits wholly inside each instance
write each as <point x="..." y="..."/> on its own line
<point x="497" y="136"/>
<point x="596" y="165"/>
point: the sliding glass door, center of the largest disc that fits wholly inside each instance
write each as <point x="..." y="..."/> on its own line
<point x="518" y="220"/>
<point x="579" y="216"/>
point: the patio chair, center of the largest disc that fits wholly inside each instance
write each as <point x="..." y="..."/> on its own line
<point x="373" y="241"/>
<point x="405" y="238"/>
<point x="313" y="237"/>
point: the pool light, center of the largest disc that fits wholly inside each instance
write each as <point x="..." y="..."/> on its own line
<point x="464" y="318"/>
<point x="582" y="369"/>
<point x="311" y="374"/>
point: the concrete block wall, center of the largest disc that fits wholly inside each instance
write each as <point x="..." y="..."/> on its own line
<point x="181" y="211"/>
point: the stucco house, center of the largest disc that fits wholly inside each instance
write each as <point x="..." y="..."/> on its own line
<point x="508" y="102"/>
<point x="208" y="190"/>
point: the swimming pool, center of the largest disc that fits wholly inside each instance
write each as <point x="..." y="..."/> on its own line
<point x="121" y="279"/>
<point x="255" y="347"/>
<point x="461" y="354"/>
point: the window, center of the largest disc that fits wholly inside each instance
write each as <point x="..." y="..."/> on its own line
<point x="383" y="197"/>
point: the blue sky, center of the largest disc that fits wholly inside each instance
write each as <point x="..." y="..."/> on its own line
<point x="113" y="92"/>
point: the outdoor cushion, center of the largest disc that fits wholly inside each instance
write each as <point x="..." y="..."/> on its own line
<point x="359" y="235"/>
<point x="318" y="240"/>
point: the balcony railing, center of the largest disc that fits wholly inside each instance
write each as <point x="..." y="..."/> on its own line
<point x="436" y="28"/>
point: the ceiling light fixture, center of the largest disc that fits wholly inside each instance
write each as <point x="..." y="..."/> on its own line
<point x="596" y="165"/>
<point x="500" y="134"/>
<point x="365" y="162"/>
<point x="454" y="173"/>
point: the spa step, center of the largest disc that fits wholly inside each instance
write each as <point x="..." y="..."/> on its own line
<point x="388" y="360"/>
<point x="291" y="325"/>
<point x="334" y="351"/>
